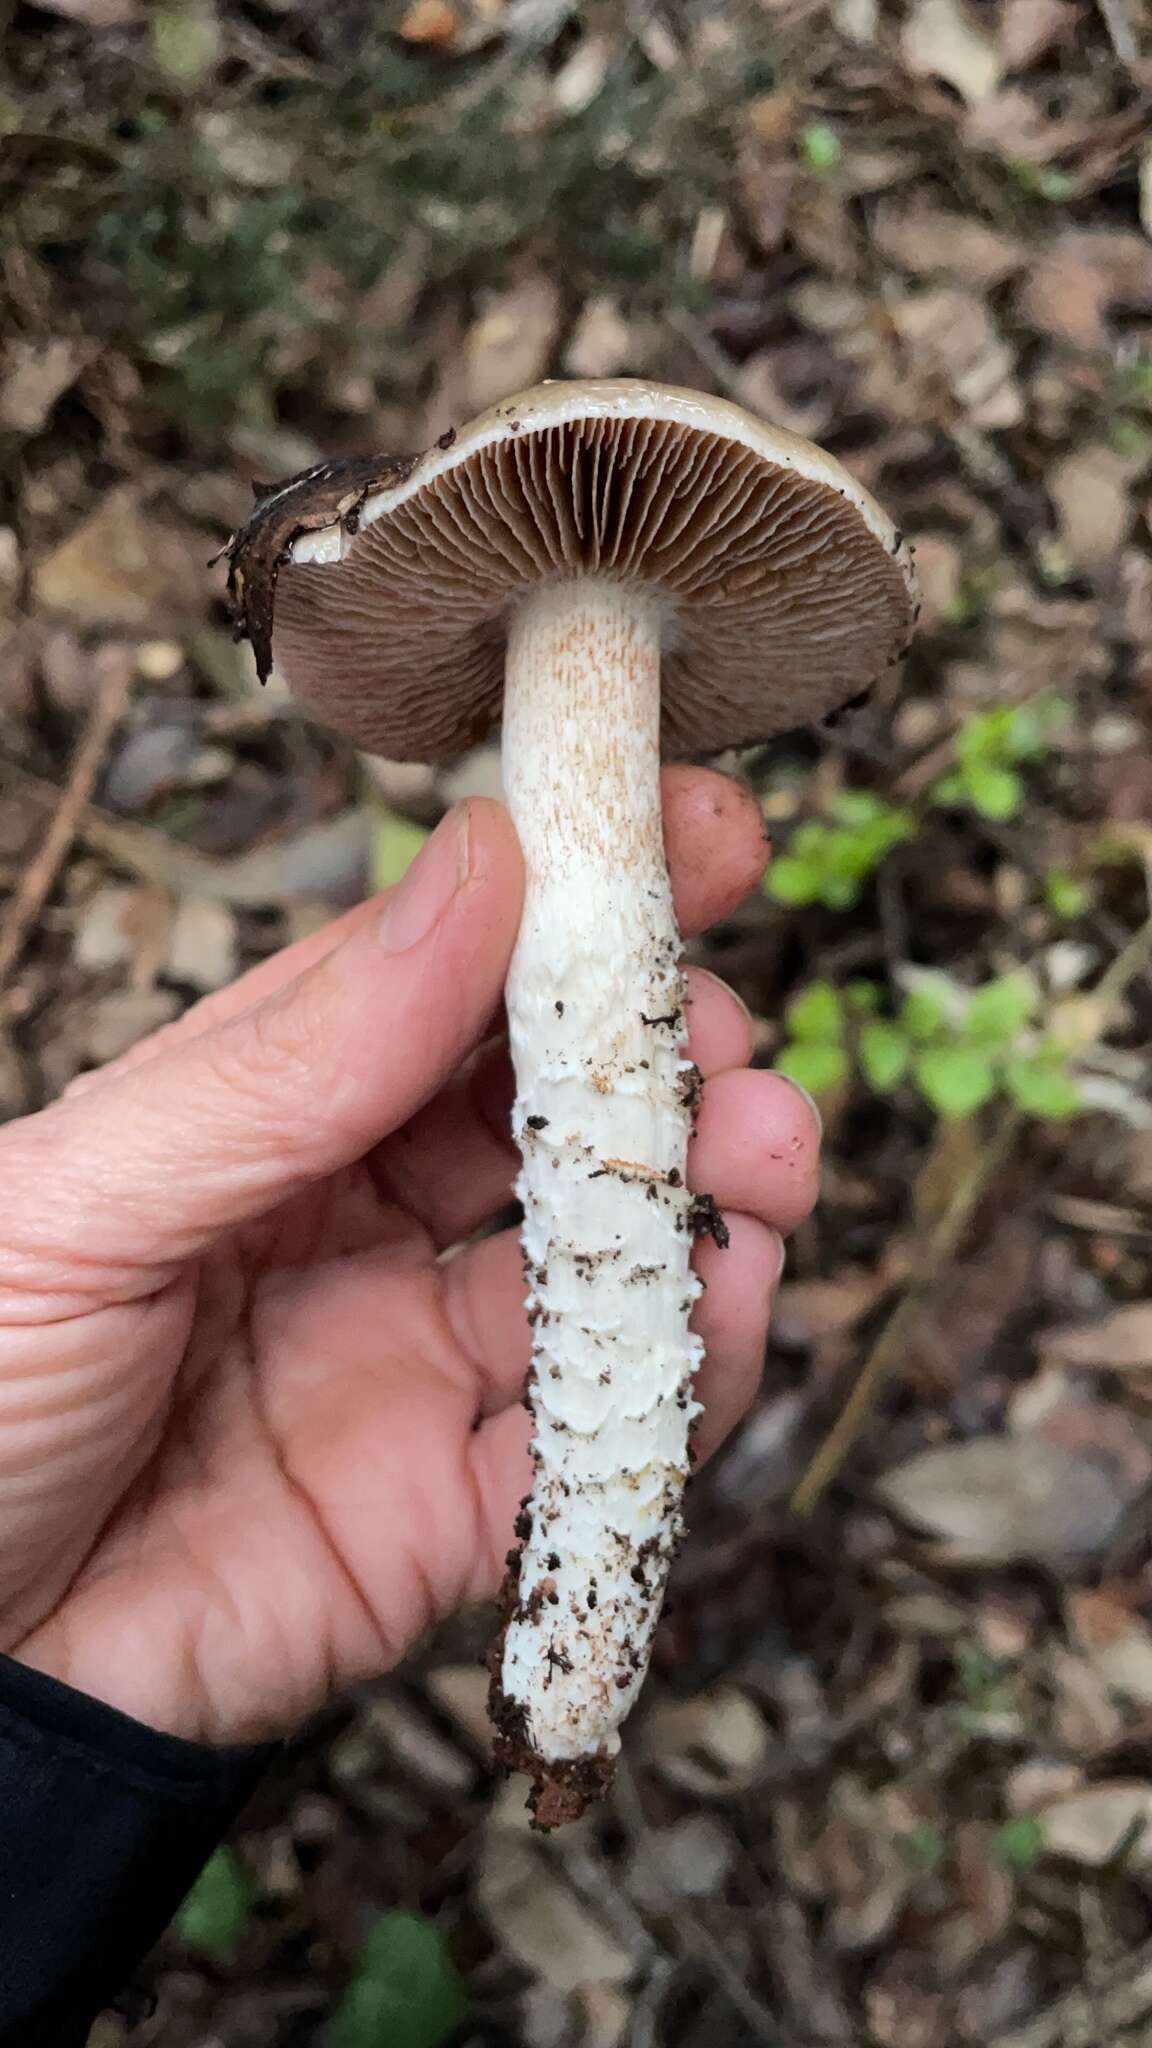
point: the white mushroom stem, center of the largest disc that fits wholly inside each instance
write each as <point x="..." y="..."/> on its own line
<point x="603" y="1115"/>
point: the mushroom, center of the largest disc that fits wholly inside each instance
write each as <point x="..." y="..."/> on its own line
<point x="616" y="570"/>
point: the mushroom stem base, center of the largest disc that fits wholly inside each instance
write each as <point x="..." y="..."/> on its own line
<point x="602" y="1118"/>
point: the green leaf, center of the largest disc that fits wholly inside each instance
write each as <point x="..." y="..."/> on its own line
<point x="792" y="881"/>
<point x="405" y="1992"/>
<point x="1065" y="894"/>
<point x="995" y="792"/>
<point x="840" y="892"/>
<point x="998" y="1012"/>
<point x="859" y="807"/>
<point x="949" y="790"/>
<point x="395" y="844"/>
<point x="1019" y="1842"/>
<point x="924" y="1847"/>
<point x="863" y="997"/>
<point x="1041" y="1088"/>
<point x="214" y="1917"/>
<point x="883" y="1055"/>
<point x="816" y="1013"/>
<point x="955" y="1079"/>
<point x="924" y="1013"/>
<point x="817" y="1067"/>
<point x="821" y="146"/>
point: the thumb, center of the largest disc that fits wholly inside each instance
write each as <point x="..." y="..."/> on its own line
<point x="150" y="1167"/>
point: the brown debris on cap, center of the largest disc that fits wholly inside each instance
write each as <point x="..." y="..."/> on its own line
<point x="330" y="493"/>
<point x="788" y="592"/>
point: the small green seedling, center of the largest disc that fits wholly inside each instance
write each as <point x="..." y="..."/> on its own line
<point x="404" y="1993"/>
<point x="395" y="843"/>
<point x="990" y="749"/>
<point x="830" y="863"/>
<point x="1019" y="1843"/>
<point x="821" y="146"/>
<point x="214" y="1917"/>
<point x="958" y="1047"/>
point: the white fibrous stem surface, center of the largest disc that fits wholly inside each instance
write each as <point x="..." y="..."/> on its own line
<point x="603" y="1115"/>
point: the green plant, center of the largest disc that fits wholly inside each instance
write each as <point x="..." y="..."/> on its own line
<point x="830" y="863"/>
<point x="821" y="146"/>
<point x="395" y="843"/>
<point x="404" y="1992"/>
<point x="214" y="1917"/>
<point x="990" y="748"/>
<point x="1019" y="1843"/>
<point x="959" y="1047"/>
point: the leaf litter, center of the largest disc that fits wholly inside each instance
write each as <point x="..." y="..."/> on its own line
<point x="891" y="1780"/>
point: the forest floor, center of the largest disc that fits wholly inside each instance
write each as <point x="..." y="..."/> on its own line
<point x="890" y="1785"/>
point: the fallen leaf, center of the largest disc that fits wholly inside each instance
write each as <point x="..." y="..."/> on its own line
<point x="430" y="22"/>
<point x="124" y="565"/>
<point x="934" y="241"/>
<point x="1095" y="1825"/>
<point x="690" y="1859"/>
<point x="1029" y="29"/>
<point x="942" y="39"/>
<point x="96" y="13"/>
<point x="715" y="1745"/>
<point x="1083" y="275"/>
<point x="954" y="333"/>
<point x="1091" y="491"/>
<point x="601" y="343"/>
<point x="509" y="346"/>
<point x="1116" y="1642"/>
<point x="1120" y="1342"/>
<point x="33" y="375"/>
<point x="201" y="944"/>
<point x="536" y="1915"/>
<point x="1000" y="1500"/>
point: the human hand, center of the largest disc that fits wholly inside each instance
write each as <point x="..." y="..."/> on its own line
<point x="256" y="1431"/>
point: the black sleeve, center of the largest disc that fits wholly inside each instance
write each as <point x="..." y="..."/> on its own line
<point x="104" y="1825"/>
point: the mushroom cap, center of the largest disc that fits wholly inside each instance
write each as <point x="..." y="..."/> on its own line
<point x="783" y="588"/>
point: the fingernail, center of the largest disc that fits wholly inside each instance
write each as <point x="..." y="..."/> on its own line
<point x="813" y="1105"/>
<point x="439" y="870"/>
<point x="781" y="1255"/>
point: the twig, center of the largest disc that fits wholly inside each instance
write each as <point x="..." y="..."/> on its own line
<point x="941" y="1245"/>
<point x="1115" y="19"/>
<point x="937" y="1250"/>
<point x="1101" y="2016"/>
<point x="696" y="1942"/>
<point x="316" y="861"/>
<point x="114" y="675"/>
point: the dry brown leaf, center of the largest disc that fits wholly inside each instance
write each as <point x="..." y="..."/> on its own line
<point x="201" y="944"/>
<point x="124" y="566"/>
<point x="1096" y="1825"/>
<point x="933" y="241"/>
<point x="1120" y="1342"/>
<point x="430" y="22"/>
<point x="1116" y="1642"/>
<point x="534" y="1912"/>
<point x="999" y="1500"/>
<point x="715" y="1745"/>
<point x="97" y="13"/>
<point x="33" y="375"/>
<point x="1029" y="29"/>
<point x="601" y="343"/>
<point x="943" y="39"/>
<point x="953" y="334"/>
<point x="1084" y="274"/>
<point x="1091" y="491"/>
<point x="509" y="346"/>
